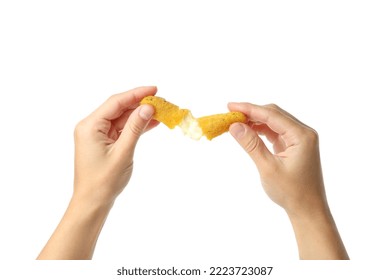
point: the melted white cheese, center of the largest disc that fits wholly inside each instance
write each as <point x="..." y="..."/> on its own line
<point x="190" y="127"/>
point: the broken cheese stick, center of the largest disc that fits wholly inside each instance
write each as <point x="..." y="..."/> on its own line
<point x="215" y="125"/>
<point x="210" y="126"/>
<point x="165" y="112"/>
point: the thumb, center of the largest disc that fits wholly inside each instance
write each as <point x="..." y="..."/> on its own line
<point x="133" y="129"/>
<point x="251" y="142"/>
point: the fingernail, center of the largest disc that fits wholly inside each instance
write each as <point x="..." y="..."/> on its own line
<point x="146" y="112"/>
<point x="237" y="130"/>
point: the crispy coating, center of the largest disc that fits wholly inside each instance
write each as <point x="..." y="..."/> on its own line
<point x="215" y="125"/>
<point x="211" y="126"/>
<point x="165" y="112"/>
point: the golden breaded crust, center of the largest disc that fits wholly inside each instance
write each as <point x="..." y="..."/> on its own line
<point x="214" y="125"/>
<point x="165" y="112"/>
<point x="210" y="126"/>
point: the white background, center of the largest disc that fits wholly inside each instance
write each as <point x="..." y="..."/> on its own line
<point x="195" y="204"/>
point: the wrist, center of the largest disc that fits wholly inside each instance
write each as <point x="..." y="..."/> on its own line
<point x="93" y="195"/>
<point x="317" y="235"/>
<point x="89" y="207"/>
<point x="316" y="211"/>
<point x="77" y="234"/>
<point x="317" y="217"/>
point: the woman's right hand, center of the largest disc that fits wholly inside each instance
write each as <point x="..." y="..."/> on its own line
<point x="292" y="175"/>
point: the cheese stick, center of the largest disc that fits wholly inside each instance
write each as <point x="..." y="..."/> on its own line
<point x="210" y="126"/>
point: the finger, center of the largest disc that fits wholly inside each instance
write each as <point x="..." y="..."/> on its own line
<point x="136" y="124"/>
<point x="120" y="122"/>
<point x="263" y="129"/>
<point x="286" y="113"/>
<point x="283" y="125"/>
<point x="121" y="102"/>
<point x="152" y="124"/>
<point x="252" y="143"/>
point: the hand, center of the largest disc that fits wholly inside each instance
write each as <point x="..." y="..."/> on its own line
<point x="105" y="143"/>
<point x="291" y="176"/>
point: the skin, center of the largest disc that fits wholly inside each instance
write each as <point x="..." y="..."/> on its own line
<point x="104" y="148"/>
<point x="291" y="176"/>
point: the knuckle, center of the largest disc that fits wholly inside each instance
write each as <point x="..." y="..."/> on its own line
<point x="80" y="128"/>
<point x="88" y="127"/>
<point x="113" y="97"/>
<point x="135" y="128"/>
<point x="252" y="145"/>
<point x="272" y="106"/>
<point x="311" y="136"/>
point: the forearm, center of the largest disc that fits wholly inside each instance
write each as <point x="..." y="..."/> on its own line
<point x="76" y="235"/>
<point x="317" y="236"/>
